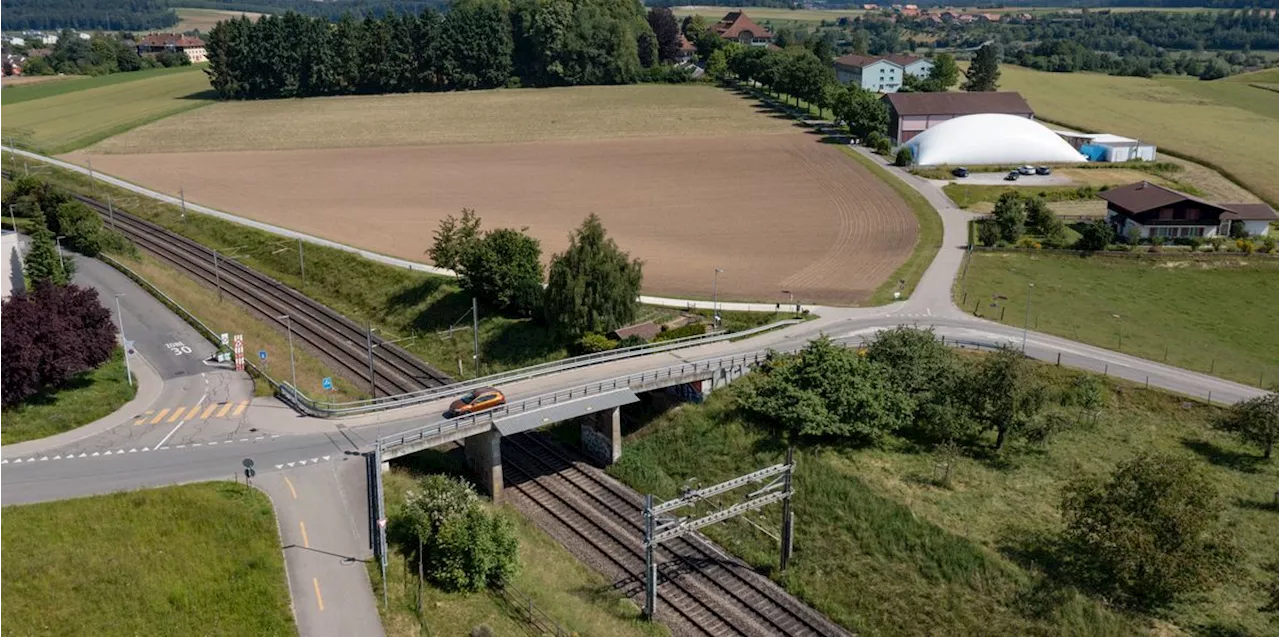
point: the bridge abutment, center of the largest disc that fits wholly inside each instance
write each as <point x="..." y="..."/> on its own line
<point x="484" y="457"/>
<point x="601" y="434"/>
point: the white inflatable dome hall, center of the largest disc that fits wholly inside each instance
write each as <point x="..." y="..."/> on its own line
<point x="991" y="138"/>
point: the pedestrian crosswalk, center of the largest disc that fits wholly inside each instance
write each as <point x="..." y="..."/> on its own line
<point x="183" y="413"/>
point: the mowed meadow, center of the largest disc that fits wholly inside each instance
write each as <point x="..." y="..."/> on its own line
<point x="59" y="117"/>
<point x="687" y="178"/>
<point x="1230" y="124"/>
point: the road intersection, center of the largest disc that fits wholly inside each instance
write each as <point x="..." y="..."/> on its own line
<point x="313" y="468"/>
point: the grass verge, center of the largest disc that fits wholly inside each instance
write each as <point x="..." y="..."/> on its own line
<point x="883" y="550"/>
<point x="579" y="599"/>
<point x="1212" y="316"/>
<point x="88" y="397"/>
<point x="199" y="559"/>
<point x="229" y="316"/>
<point x="966" y="195"/>
<point x="928" y="239"/>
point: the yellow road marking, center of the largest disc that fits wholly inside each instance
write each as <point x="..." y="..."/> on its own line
<point x="160" y="416"/>
<point x="178" y="412"/>
<point x="291" y="490"/>
<point x="319" y="600"/>
<point x="226" y="407"/>
<point x="208" y="410"/>
<point x="305" y="542"/>
<point x="140" y="421"/>
<point x="240" y="408"/>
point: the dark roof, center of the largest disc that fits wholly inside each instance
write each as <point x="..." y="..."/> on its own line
<point x="685" y="44"/>
<point x="1145" y="196"/>
<point x="1250" y="211"/>
<point x="170" y="40"/>
<point x="646" y="330"/>
<point x="958" y="103"/>
<point x="736" y="22"/>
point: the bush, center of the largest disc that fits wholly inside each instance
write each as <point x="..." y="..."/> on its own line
<point x="631" y="341"/>
<point x="1269" y="245"/>
<point x="1095" y="235"/>
<point x="692" y="329"/>
<point x="1245" y="245"/>
<point x="463" y="546"/>
<point x="594" y="343"/>
<point x="1010" y="216"/>
<point x="903" y="157"/>
<point x="1146" y="535"/>
<point x="50" y="336"/>
<point x="1028" y="242"/>
<point x="988" y="233"/>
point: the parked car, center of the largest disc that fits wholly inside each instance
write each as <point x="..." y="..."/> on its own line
<point x="475" y="402"/>
<point x="1012" y="176"/>
<point x="1043" y="170"/>
<point x="1027" y="170"/>
<point x="960" y="172"/>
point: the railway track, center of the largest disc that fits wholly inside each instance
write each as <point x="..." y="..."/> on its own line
<point x="326" y="332"/>
<point x="702" y="590"/>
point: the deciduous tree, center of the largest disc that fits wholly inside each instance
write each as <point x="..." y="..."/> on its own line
<point x="51" y="335"/>
<point x="1253" y="421"/>
<point x="861" y="111"/>
<point x="932" y="375"/>
<point x="592" y="286"/>
<point x="667" y="33"/>
<point x="1005" y="393"/>
<point x="1010" y="216"/>
<point x="1146" y="535"/>
<point x="454" y="239"/>
<point x="504" y="269"/>
<point x="1095" y="235"/>
<point x="462" y="547"/>
<point x="943" y="75"/>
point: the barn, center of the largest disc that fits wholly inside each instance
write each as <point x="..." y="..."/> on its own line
<point x="913" y="113"/>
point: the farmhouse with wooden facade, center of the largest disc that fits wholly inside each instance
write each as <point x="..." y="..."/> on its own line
<point x="737" y="27"/>
<point x="1154" y="211"/>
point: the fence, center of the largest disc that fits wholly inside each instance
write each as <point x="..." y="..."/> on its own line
<point x="527" y="612"/>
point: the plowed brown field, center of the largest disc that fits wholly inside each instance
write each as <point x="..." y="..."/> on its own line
<point x="776" y="211"/>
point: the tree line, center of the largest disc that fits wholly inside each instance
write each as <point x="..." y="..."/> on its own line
<point x="113" y="15"/>
<point x="101" y="54"/>
<point x="476" y="44"/>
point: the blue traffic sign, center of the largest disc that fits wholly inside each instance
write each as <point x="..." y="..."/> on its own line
<point x="262" y="354"/>
<point x="327" y="383"/>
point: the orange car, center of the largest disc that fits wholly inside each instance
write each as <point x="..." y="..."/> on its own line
<point x="475" y="402"/>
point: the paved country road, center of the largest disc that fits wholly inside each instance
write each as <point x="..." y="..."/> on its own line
<point x="318" y="456"/>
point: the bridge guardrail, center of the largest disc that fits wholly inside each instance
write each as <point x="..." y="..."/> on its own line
<point x="573" y="393"/>
<point x="352" y="408"/>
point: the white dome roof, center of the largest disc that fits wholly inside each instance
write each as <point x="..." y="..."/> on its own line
<point x="991" y="138"/>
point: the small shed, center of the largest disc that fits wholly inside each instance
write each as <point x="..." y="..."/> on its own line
<point x="1106" y="147"/>
<point x="646" y="331"/>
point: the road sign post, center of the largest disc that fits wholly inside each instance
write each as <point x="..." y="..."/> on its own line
<point x="249" y="471"/>
<point x="238" y="348"/>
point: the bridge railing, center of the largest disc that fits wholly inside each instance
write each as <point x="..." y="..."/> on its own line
<point x="673" y="373"/>
<point x="326" y="409"/>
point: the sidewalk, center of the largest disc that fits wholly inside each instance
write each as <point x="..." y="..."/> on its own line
<point x="150" y="386"/>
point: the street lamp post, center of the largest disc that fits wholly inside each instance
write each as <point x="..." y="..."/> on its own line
<point x="293" y="369"/>
<point x="128" y="369"/>
<point x="1027" y="321"/>
<point x="715" y="297"/>
<point x="61" y="262"/>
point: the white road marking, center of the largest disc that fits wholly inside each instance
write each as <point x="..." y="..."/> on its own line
<point x="314" y="460"/>
<point x="182" y="446"/>
<point x="146" y="448"/>
<point x="244" y="440"/>
<point x="193" y="410"/>
<point x="95" y="454"/>
<point x="57" y="457"/>
<point x="17" y="461"/>
<point x="134" y="450"/>
<point x="82" y="454"/>
<point x="196" y="444"/>
<point x="279" y="466"/>
<point x="292" y="463"/>
<point x="326" y="458"/>
<point x="161" y="448"/>
<point x="44" y="458"/>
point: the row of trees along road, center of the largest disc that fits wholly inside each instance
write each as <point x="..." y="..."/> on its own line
<point x="1147" y="536"/>
<point x="592" y="287"/>
<point x="475" y="44"/>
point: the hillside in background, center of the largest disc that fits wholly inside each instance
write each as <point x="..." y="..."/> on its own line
<point x="116" y="15"/>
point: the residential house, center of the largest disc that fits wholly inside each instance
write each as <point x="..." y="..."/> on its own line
<point x="870" y="7"/>
<point x="737" y="27"/>
<point x="882" y="74"/>
<point x="15" y="40"/>
<point x="13" y="63"/>
<point x="1153" y="211"/>
<point x="188" y="45"/>
<point x="989" y="17"/>
<point x="912" y="113"/>
<point x="687" y="50"/>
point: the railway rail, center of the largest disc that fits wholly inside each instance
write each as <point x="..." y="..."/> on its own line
<point x="702" y="591"/>
<point x="326" y="332"/>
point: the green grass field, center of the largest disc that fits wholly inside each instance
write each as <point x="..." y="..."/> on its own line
<point x="577" y="598"/>
<point x="199" y="559"/>
<point x="1230" y="124"/>
<point x="86" y="398"/>
<point x="63" y="116"/>
<point x="202" y="20"/>
<point x="883" y="551"/>
<point x="1217" y="315"/>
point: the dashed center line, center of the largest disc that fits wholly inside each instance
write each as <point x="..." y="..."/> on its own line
<point x="291" y="489"/>
<point x="315" y="581"/>
<point x="305" y="542"/>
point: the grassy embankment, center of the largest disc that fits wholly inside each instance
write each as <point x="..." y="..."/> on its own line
<point x="88" y="397"/>
<point x="1213" y="316"/>
<point x="1229" y="126"/>
<point x="59" y="117"/>
<point x="199" y="559"/>
<point x="883" y="550"/>
<point x="577" y="598"/>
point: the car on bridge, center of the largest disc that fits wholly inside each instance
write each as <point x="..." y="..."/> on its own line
<point x="473" y="402"/>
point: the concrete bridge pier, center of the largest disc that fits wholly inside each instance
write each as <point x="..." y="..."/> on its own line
<point x="484" y="457"/>
<point x="601" y="434"/>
